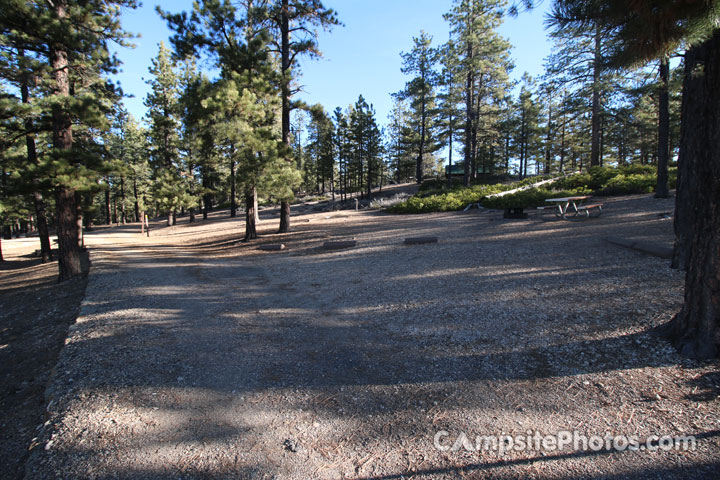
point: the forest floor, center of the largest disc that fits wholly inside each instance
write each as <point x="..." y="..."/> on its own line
<point x="35" y="313"/>
<point x="196" y="355"/>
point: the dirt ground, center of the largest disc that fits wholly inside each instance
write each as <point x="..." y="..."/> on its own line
<point x="196" y="355"/>
<point x="34" y="319"/>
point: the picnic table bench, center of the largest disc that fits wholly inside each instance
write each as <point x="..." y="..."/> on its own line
<point x="573" y="208"/>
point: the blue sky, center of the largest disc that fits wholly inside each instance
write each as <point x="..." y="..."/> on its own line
<point x="362" y="57"/>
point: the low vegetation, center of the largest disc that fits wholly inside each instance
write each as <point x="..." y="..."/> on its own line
<point x="434" y="196"/>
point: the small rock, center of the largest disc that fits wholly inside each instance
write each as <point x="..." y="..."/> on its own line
<point x="290" y="445"/>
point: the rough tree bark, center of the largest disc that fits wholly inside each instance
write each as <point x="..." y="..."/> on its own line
<point x="123" y="213"/>
<point x="421" y="153"/>
<point x="285" y="66"/>
<point x="207" y="197"/>
<point x="562" y="149"/>
<point x="548" y="138"/>
<point x="250" y="227"/>
<point x="695" y="329"/>
<point x="108" y="208"/>
<point x="136" y="203"/>
<point x="450" y="150"/>
<point x="661" y="191"/>
<point x="595" y="135"/>
<point x="233" y="192"/>
<point x="69" y="252"/>
<point x="469" y="109"/>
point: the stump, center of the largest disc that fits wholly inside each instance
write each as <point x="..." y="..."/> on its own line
<point x="420" y="240"/>
<point x="272" y="248"/>
<point x="339" y="245"/>
<point x="515" y="213"/>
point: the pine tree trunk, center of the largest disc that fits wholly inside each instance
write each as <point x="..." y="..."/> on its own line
<point x="370" y="174"/>
<point x="469" y="109"/>
<point x="123" y="214"/>
<point x="108" y="208"/>
<point x="137" y="202"/>
<point x="595" y="135"/>
<point x="67" y="233"/>
<point x="206" y="199"/>
<point x="450" y="152"/>
<point x="42" y="227"/>
<point x="332" y="182"/>
<point x="562" y="150"/>
<point x="695" y="330"/>
<point x="661" y="191"/>
<point x="1" y="254"/>
<point x="250" y="227"/>
<point x="507" y="155"/>
<point x="233" y="188"/>
<point x="284" y="217"/>
<point x="522" y="144"/>
<point x="69" y="253"/>
<point x="285" y="66"/>
<point x="88" y="218"/>
<point x="421" y="153"/>
<point x="548" y="139"/>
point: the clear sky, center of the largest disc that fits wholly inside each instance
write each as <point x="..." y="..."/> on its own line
<point x="361" y="57"/>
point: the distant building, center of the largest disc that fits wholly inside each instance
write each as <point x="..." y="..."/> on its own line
<point x="458" y="170"/>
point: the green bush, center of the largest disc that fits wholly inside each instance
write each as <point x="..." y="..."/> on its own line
<point x="638" y="169"/>
<point x="672" y="174"/>
<point x="622" y="184"/>
<point x="571" y="182"/>
<point x="452" y="200"/>
<point x="625" y="180"/>
<point x="534" y="197"/>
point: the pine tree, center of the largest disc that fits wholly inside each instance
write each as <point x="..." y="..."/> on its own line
<point x="419" y="92"/>
<point x="244" y="127"/>
<point x="580" y="65"/>
<point x="483" y="67"/>
<point x="194" y="130"/>
<point x="321" y="149"/>
<point x="365" y="146"/>
<point x="343" y="149"/>
<point x="135" y="156"/>
<point x="449" y="113"/>
<point x="237" y="39"/>
<point x="71" y="38"/>
<point x="33" y="169"/>
<point x="645" y="30"/>
<point x="402" y="140"/>
<point x="294" y="23"/>
<point x="163" y="102"/>
<point x="528" y="133"/>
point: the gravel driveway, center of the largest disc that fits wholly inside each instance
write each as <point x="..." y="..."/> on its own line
<point x="196" y="356"/>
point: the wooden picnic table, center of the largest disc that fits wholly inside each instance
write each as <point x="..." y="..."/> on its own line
<point x="570" y="207"/>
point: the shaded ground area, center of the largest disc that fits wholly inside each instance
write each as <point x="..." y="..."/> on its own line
<point x="198" y="356"/>
<point x="35" y="313"/>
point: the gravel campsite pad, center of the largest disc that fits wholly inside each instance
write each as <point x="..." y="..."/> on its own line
<point x="198" y="356"/>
